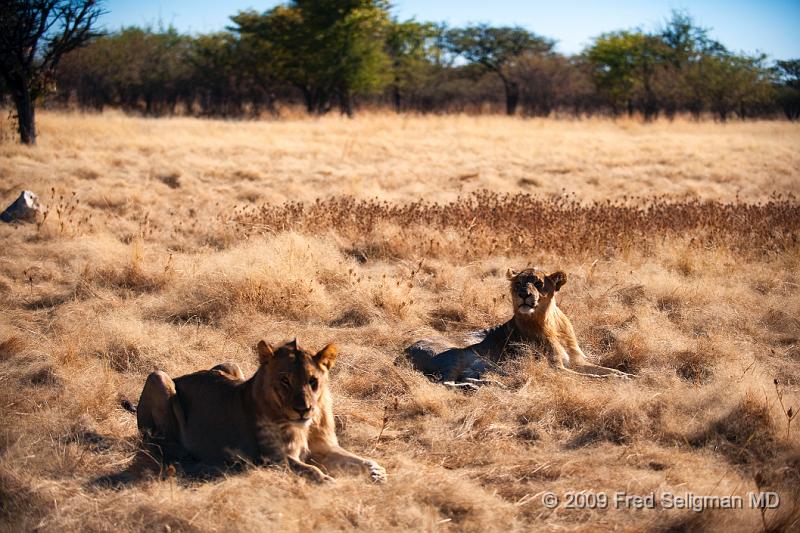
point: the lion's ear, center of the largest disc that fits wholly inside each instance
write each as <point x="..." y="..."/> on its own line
<point x="558" y="279"/>
<point x="510" y="273"/>
<point x="265" y="352"/>
<point x="326" y="357"/>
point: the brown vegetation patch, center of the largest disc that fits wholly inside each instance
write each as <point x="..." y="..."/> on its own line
<point x="632" y="294"/>
<point x="45" y="375"/>
<point x="529" y="182"/>
<point x="695" y="365"/>
<point x="11" y="346"/>
<point x="493" y="223"/>
<point x="745" y="434"/>
<point x="132" y="277"/>
<point x="670" y="306"/>
<point x="781" y="322"/>
<point x="125" y="356"/>
<point x="20" y="503"/>
<point x="351" y="318"/>
<point x="48" y="301"/>
<point x="85" y="173"/>
<point x="627" y="353"/>
<point x="447" y="318"/>
<point x="170" y="179"/>
<point x="618" y="426"/>
<point x="114" y="202"/>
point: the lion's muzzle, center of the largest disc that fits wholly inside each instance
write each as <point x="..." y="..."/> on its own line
<point x="527" y="301"/>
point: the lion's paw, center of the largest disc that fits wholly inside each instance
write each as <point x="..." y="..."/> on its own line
<point x="377" y="473"/>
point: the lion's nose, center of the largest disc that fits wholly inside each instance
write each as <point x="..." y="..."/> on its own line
<point x="302" y="411"/>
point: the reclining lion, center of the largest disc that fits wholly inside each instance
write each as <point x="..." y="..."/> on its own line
<point x="282" y="414"/>
<point x="537" y="322"/>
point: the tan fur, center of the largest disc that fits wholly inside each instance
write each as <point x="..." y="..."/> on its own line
<point x="538" y="319"/>
<point x="282" y="414"/>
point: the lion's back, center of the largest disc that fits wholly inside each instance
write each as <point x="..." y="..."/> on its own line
<point x="216" y="423"/>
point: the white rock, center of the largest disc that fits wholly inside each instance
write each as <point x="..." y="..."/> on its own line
<point x="24" y="209"/>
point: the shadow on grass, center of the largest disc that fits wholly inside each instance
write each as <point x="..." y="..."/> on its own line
<point x="156" y="460"/>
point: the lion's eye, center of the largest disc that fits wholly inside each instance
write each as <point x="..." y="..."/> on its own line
<point x="286" y="382"/>
<point x="313" y="382"/>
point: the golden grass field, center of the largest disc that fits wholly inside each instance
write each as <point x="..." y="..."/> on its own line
<point x="168" y="245"/>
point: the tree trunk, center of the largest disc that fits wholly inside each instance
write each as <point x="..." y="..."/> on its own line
<point x="308" y="98"/>
<point x="398" y="101"/>
<point x="25" y="114"/>
<point x="346" y="102"/>
<point x="322" y="101"/>
<point x="512" y="97"/>
<point x="397" y="97"/>
<point x="650" y="105"/>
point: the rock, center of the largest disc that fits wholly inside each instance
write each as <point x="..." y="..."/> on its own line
<point x="24" y="209"/>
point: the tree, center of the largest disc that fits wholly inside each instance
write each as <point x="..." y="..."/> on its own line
<point x="497" y="50"/>
<point x="625" y="65"/>
<point x="327" y="49"/>
<point x="735" y="84"/>
<point x="551" y="82"/>
<point x="409" y="45"/>
<point x="34" y="35"/>
<point x="788" y="90"/>
<point x="218" y="75"/>
<point x="687" y="47"/>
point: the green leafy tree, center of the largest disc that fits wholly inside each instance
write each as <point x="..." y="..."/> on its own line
<point x="687" y="47"/>
<point x="34" y="35"/>
<point x="164" y="69"/>
<point x="625" y="65"/>
<point x="498" y="49"/>
<point x="328" y="49"/>
<point x="215" y="74"/>
<point x="412" y="48"/>
<point x="258" y="75"/>
<point x="735" y="84"/>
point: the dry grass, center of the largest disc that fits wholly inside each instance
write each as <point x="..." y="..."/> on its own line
<point x="166" y="256"/>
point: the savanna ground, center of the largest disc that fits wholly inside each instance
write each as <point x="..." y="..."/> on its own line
<point x="168" y="244"/>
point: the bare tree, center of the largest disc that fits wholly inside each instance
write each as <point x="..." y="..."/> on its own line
<point x="34" y="35"/>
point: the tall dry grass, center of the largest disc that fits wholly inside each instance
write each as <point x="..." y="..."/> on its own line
<point x="187" y="241"/>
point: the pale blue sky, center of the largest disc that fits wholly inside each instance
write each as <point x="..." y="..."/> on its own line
<point x="769" y="26"/>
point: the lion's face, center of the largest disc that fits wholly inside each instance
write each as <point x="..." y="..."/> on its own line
<point x="295" y="379"/>
<point x="529" y="285"/>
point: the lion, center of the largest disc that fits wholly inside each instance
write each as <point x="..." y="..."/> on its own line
<point x="283" y="414"/>
<point x="537" y="322"/>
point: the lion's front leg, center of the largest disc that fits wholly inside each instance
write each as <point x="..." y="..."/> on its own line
<point x="273" y="450"/>
<point x="337" y="458"/>
<point x="556" y="354"/>
<point x="310" y="471"/>
<point x="296" y="465"/>
<point x="571" y="362"/>
<point x="591" y="369"/>
<point x="582" y="365"/>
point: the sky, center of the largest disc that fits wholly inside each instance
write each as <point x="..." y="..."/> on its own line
<point x="768" y="26"/>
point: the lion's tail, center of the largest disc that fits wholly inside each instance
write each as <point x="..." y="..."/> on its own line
<point x="128" y="406"/>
